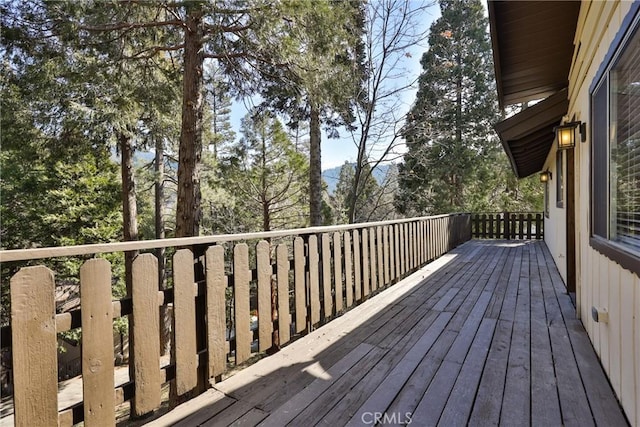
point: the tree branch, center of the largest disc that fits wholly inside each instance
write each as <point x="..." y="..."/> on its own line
<point x="130" y="25"/>
<point x="151" y="51"/>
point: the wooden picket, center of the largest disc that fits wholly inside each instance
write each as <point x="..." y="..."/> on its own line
<point x="334" y="269"/>
<point x="373" y="260"/>
<point x="337" y="270"/>
<point x="380" y="248"/>
<point x="506" y="225"/>
<point x="299" y="284"/>
<point x="97" y="353"/>
<point x="327" y="296"/>
<point x="242" y="319"/>
<point x="265" y="274"/>
<point x="348" y="269"/>
<point x="365" y="264"/>
<point x="284" y="317"/>
<point x="34" y="347"/>
<point x="216" y="316"/>
<point x="357" y="266"/>
<point x="146" y="327"/>
<point x="387" y="261"/>
<point x="184" y="321"/>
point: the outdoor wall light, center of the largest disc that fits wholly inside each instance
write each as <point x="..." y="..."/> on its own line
<point x="545" y="176"/>
<point x="566" y="134"/>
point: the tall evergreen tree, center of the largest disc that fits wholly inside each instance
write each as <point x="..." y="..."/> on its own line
<point x="449" y="128"/>
<point x="268" y="175"/>
<point x="323" y="77"/>
<point x="219" y="111"/>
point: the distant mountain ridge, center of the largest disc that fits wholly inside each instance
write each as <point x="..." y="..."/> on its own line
<point x="331" y="176"/>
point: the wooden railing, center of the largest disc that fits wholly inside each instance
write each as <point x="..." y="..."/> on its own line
<point x="507" y="225"/>
<point x="291" y="281"/>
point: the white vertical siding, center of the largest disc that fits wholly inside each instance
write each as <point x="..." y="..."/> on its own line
<point x="600" y="282"/>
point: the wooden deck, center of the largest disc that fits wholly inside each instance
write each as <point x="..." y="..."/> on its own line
<point x="485" y="335"/>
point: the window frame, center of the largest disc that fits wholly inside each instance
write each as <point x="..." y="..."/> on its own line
<point x="560" y="187"/>
<point x="615" y="251"/>
<point x="546" y="199"/>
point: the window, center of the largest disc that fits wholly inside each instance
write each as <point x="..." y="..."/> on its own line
<point x="615" y="175"/>
<point x="560" y="179"/>
<point x="546" y="199"/>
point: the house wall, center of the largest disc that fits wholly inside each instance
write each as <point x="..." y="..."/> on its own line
<point x="600" y="282"/>
<point x="555" y="226"/>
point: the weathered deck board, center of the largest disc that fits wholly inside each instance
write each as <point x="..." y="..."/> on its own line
<point x="484" y="335"/>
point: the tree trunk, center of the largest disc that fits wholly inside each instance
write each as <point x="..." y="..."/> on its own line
<point x="165" y="314"/>
<point x="129" y="209"/>
<point x="315" y="168"/>
<point x="355" y="187"/>
<point x="266" y="215"/>
<point x="129" y="226"/>
<point x="189" y="211"/>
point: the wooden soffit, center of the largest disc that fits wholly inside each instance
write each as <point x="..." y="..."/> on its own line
<point x="532" y="47"/>
<point x="528" y="136"/>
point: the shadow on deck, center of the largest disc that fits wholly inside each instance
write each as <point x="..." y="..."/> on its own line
<point x="485" y="335"/>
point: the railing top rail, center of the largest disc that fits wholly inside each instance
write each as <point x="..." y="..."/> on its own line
<point x="64" y="251"/>
<point x="503" y="212"/>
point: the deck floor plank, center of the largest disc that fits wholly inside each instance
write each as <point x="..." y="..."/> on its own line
<point x="484" y="335"/>
<point x="516" y="408"/>
<point x="545" y="405"/>
<point x="351" y="398"/>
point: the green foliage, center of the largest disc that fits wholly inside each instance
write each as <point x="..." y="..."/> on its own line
<point x="366" y="203"/>
<point x="59" y="183"/>
<point x="324" y="59"/>
<point x="266" y="171"/>
<point x="451" y="145"/>
<point x="219" y="135"/>
<point x="56" y="190"/>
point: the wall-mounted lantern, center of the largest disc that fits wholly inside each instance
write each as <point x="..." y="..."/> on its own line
<point x="566" y="134"/>
<point x="545" y="176"/>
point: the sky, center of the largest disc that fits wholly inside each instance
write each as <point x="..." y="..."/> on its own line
<point x="335" y="152"/>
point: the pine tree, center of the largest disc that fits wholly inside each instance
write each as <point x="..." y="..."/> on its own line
<point x="219" y="111"/>
<point x="267" y="173"/>
<point x="322" y="79"/>
<point x="449" y="128"/>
